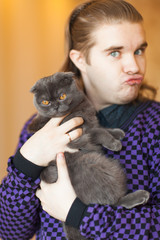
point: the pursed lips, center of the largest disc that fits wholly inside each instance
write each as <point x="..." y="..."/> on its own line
<point x="134" y="80"/>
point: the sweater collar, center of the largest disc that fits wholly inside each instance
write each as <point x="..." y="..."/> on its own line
<point x="116" y="116"/>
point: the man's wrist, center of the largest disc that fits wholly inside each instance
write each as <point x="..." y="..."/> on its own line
<point x="26" y="167"/>
<point x="76" y="213"/>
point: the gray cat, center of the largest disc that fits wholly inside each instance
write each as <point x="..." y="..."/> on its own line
<point x="95" y="178"/>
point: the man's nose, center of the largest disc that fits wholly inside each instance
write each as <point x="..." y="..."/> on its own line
<point x="130" y="65"/>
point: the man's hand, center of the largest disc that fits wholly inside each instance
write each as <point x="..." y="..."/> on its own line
<point x="57" y="198"/>
<point x="51" y="139"/>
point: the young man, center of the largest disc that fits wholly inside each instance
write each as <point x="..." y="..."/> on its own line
<point x="106" y="50"/>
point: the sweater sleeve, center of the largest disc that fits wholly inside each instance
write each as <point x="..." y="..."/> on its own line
<point x="19" y="218"/>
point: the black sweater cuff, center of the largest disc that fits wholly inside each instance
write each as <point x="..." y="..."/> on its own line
<point x="26" y="167"/>
<point x="76" y="213"/>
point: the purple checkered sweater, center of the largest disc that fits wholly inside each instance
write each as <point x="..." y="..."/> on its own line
<point x="21" y="215"/>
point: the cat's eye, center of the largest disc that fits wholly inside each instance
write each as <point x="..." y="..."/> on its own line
<point x="45" y="102"/>
<point x="62" y="96"/>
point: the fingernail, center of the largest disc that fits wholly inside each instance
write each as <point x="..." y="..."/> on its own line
<point x="60" y="155"/>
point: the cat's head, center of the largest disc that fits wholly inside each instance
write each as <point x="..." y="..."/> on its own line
<point x="57" y="95"/>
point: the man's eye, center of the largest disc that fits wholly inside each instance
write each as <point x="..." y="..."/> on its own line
<point x="115" y="54"/>
<point x="139" y="52"/>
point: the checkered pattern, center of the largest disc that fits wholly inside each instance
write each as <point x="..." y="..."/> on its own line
<point x="21" y="215"/>
<point x="50" y="228"/>
<point x="140" y="157"/>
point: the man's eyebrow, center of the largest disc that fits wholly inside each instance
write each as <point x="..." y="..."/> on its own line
<point x="143" y="45"/>
<point x="117" y="48"/>
<point x="113" y="48"/>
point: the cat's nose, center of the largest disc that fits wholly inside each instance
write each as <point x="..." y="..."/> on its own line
<point x="55" y="107"/>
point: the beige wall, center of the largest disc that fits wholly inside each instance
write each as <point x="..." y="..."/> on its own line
<point x="31" y="46"/>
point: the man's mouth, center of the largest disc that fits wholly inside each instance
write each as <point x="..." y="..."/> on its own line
<point x="134" y="81"/>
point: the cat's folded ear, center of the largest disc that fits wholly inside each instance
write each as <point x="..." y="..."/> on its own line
<point x="34" y="88"/>
<point x="39" y="84"/>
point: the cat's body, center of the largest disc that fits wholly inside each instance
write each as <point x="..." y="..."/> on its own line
<point x="95" y="178"/>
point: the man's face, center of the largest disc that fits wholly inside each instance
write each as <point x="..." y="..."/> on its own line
<point x="117" y="64"/>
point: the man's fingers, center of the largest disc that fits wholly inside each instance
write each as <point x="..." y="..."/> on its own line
<point x="55" y="122"/>
<point x="73" y="135"/>
<point x="38" y="193"/>
<point x="43" y="184"/>
<point x="62" y="167"/>
<point x="67" y="126"/>
<point x="70" y="124"/>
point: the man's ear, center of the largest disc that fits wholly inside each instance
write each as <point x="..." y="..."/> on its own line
<point x="78" y="59"/>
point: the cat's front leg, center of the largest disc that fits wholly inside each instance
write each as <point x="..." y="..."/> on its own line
<point x="103" y="137"/>
<point x="134" y="199"/>
<point x="84" y="143"/>
<point x="50" y="173"/>
<point x="116" y="133"/>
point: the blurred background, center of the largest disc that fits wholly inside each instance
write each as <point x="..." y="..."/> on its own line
<point x="32" y="46"/>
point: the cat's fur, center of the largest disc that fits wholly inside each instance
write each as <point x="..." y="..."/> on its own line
<point x="95" y="178"/>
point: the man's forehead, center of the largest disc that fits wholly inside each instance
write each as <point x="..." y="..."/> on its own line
<point x="118" y="35"/>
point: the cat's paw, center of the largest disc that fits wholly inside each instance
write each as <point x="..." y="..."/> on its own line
<point x="120" y="134"/>
<point x="134" y="199"/>
<point x="116" y="145"/>
<point x="117" y="133"/>
<point x="143" y="196"/>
